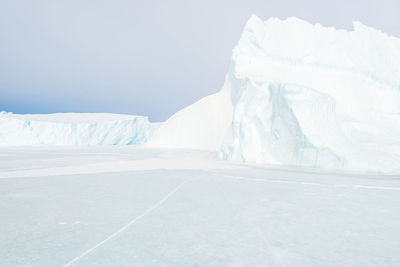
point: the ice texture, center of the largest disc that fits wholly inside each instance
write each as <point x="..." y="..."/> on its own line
<point x="303" y="95"/>
<point x="131" y="206"/>
<point x="73" y="129"/>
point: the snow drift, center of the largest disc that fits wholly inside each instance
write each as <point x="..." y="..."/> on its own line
<point x="200" y="126"/>
<point x="303" y="95"/>
<point x="73" y="129"/>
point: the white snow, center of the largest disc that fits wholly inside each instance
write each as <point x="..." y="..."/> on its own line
<point x="165" y="207"/>
<point x="200" y="126"/>
<point x="302" y="95"/>
<point x="73" y="129"/>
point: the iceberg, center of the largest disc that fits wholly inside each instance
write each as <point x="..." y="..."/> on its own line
<point x="73" y="129"/>
<point x="298" y="94"/>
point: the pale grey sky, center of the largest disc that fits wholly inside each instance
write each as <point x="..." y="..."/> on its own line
<point x="140" y="57"/>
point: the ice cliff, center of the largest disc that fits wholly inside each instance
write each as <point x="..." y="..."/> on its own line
<point x="302" y="95"/>
<point x="73" y="129"/>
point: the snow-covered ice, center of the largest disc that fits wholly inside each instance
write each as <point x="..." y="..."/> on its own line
<point x="73" y="129"/>
<point x="298" y="94"/>
<point x="166" y="207"/>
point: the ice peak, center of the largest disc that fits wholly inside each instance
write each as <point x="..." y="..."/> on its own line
<point x="254" y="19"/>
<point x="256" y="23"/>
<point x="360" y="27"/>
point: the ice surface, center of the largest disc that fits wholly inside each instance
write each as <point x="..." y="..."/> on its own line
<point x="303" y="95"/>
<point x="73" y="129"/>
<point x="197" y="212"/>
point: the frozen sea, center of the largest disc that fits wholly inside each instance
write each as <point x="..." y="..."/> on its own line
<point x="132" y="206"/>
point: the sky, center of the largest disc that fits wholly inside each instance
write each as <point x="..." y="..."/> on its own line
<point x="141" y="57"/>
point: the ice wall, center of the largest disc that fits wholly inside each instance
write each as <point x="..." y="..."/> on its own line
<point x="305" y="95"/>
<point x="73" y="129"/>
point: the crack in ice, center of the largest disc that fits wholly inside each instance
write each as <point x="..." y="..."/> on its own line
<point x="148" y="211"/>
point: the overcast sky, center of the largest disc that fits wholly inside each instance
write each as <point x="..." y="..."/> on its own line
<point x="140" y="57"/>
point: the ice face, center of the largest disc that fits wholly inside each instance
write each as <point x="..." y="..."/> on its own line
<point x="266" y="129"/>
<point x="73" y="129"/>
<point x="305" y="95"/>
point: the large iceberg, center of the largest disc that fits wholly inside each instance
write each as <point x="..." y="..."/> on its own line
<point x="302" y="95"/>
<point x="73" y="129"/>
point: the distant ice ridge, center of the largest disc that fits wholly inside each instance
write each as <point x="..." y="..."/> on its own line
<point x="303" y="95"/>
<point x="73" y="129"/>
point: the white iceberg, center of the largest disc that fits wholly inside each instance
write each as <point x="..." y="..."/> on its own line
<point x="73" y="129"/>
<point x="303" y="95"/>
